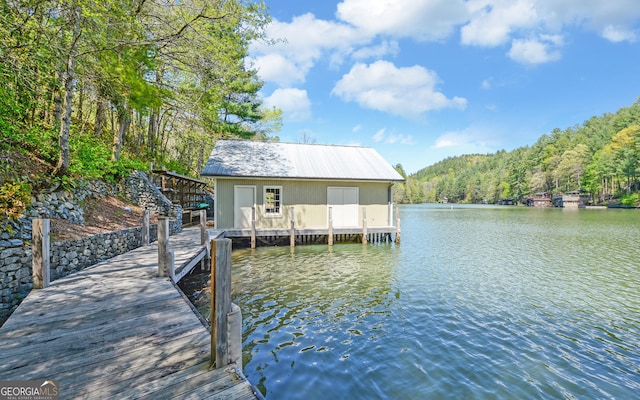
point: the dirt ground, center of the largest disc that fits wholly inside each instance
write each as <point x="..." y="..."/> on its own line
<point x="101" y="215"/>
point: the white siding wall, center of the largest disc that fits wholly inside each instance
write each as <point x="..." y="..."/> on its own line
<point x="309" y="199"/>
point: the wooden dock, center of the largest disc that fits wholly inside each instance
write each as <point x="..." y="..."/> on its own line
<point x="249" y="237"/>
<point x="117" y="330"/>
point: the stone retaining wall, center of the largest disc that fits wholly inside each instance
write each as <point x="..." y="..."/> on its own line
<point x="140" y="190"/>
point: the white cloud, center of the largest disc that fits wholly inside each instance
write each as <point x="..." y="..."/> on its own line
<point x="276" y="68"/>
<point x="392" y="138"/>
<point x="535" y="51"/>
<point x="556" y="40"/>
<point x="377" y="52"/>
<point x="493" y="22"/>
<point x="300" y="44"/>
<point x="450" y="139"/>
<point x="294" y="103"/>
<point x="467" y="141"/>
<point x="399" y="138"/>
<point x="616" y="34"/>
<point x="496" y="22"/>
<point x="382" y="86"/>
<point x="470" y="140"/>
<point x="488" y="22"/>
<point x="421" y="20"/>
<point x="486" y="84"/>
<point x="595" y="15"/>
<point x="379" y="136"/>
<point x="370" y="29"/>
<point x="356" y="128"/>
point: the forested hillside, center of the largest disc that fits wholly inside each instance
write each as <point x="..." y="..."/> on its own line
<point x="600" y="156"/>
<point x="96" y="87"/>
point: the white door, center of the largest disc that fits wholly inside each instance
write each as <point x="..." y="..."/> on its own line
<point x="243" y="201"/>
<point x="344" y="206"/>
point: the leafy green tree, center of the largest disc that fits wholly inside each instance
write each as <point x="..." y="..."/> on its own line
<point x="538" y="180"/>
<point x="625" y="150"/>
<point x="588" y="156"/>
<point x="572" y="164"/>
<point x="146" y="76"/>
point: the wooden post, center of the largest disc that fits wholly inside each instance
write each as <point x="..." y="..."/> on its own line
<point x="330" y="232"/>
<point x="397" y="225"/>
<point x="204" y="236"/>
<point x="171" y="265"/>
<point x="364" y="225"/>
<point x="145" y="228"/>
<point x="166" y="257"/>
<point x="292" y="235"/>
<point x="253" y="227"/>
<point x="212" y="306"/>
<point x="234" y="329"/>
<point x="220" y="301"/>
<point x="40" y="263"/>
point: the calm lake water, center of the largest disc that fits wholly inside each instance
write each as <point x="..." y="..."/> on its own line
<point x="476" y="303"/>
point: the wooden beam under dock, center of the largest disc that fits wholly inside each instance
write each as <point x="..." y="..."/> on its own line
<point x="329" y="235"/>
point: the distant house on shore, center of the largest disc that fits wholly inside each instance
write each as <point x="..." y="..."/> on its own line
<point x="275" y="178"/>
<point x="573" y="199"/>
<point x="540" y="199"/>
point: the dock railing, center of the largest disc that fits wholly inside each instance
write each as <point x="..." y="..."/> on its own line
<point x="40" y="260"/>
<point x="226" y="317"/>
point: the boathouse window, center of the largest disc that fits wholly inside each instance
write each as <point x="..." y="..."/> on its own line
<point x="273" y="200"/>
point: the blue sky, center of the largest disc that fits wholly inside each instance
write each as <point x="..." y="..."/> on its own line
<point x="422" y="80"/>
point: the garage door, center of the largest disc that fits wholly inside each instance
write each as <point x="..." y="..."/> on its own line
<point x="344" y="206"/>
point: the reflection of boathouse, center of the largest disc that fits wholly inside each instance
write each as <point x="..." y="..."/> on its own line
<point x="541" y="199"/>
<point x="574" y="199"/>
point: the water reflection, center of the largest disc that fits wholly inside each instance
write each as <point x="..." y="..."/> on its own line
<point x="475" y="303"/>
<point x="318" y="301"/>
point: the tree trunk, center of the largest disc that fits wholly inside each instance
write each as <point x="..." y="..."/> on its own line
<point x="140" y="122"/>
<point x="124" y="120"/>
<point x="57" y="100"/>
<point x="81" y="103"/>
<point x="154" y="120"/>
<point x="62" y="166"/>
<point x="152" y="132"/>
<point x="101" y="116"/>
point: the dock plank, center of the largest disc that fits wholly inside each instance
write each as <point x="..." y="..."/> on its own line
<point x="116" y="330"/>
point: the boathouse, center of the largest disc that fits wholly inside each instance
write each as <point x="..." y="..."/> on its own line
<point x="573" y="199"/>
<point x="540" y="199"/>
<point x="274" y="187"/>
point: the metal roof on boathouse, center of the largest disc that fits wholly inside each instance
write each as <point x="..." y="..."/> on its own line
<point x="252" y="159"/>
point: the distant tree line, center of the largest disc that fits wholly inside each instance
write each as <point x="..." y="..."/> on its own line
<point x="94" y="86"/>
<point x="601" y="157"/>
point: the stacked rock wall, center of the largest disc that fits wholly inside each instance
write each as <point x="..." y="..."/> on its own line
<point x="140" y="190"/>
